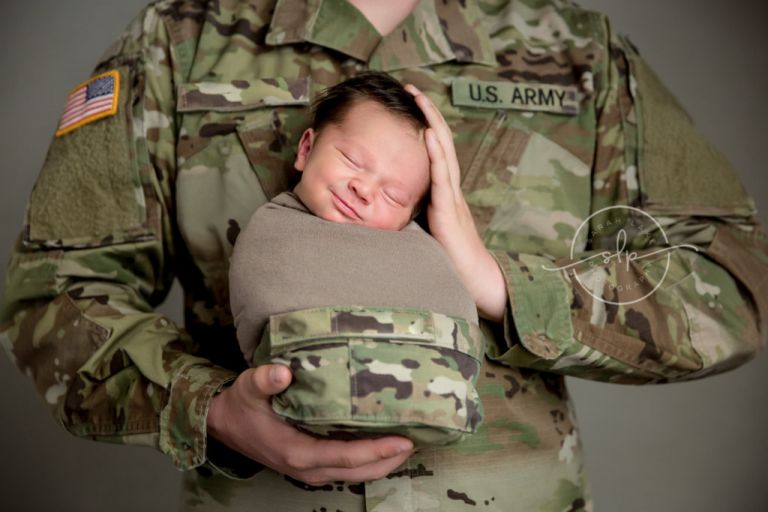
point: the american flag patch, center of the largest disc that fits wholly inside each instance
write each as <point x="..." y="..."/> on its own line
<point x="93" y="99"/>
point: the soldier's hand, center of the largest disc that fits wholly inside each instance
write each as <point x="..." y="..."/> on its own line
<point x="450" y="219"/>
<point x="242" y="418"/>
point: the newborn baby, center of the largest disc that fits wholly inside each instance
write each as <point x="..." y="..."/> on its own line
<point x="337" y="281"/>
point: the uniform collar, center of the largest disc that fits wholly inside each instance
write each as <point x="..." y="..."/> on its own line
<point x="435" y="32"/>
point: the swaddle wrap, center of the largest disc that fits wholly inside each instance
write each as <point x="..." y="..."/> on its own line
<point x="380" y="333"/>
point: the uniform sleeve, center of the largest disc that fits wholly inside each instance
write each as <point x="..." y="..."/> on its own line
<point x="692" y="299"/>
<point x="94" y="259"/>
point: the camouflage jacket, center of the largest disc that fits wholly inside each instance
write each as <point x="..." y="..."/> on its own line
<point x="572" y="153"/>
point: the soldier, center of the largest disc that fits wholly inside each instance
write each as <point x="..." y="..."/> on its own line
<point x="568" y="147"/>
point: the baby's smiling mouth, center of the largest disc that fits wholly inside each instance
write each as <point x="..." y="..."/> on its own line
<point x="344" y="207"/>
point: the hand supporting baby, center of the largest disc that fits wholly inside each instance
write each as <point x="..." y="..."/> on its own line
<point x="242" y="418"/>
<point x="450" y="220"/>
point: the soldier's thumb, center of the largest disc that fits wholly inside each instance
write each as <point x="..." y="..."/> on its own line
<point x="272" y="378"/>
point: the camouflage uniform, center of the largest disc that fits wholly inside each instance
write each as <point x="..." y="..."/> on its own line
<point x="555" y="119"/>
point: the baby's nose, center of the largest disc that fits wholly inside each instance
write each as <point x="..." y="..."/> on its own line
<point x="361" y="189"/>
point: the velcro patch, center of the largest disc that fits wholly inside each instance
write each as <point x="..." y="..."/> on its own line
<point x="91" y="100"/>
<point x="556" y="99"/>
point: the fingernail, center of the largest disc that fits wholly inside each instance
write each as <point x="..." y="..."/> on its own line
<point x="405" y="447"/>
<point x="274" y="374"/>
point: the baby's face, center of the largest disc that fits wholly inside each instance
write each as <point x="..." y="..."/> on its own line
<point x="372" y="169"/>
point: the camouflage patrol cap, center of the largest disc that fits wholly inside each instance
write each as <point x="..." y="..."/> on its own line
<point x="361" y="372"/>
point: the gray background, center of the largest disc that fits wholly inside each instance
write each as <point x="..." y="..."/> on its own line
<point x="693" y="446"/>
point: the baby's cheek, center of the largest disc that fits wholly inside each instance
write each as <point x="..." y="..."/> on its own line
<point x="390" y="221"/>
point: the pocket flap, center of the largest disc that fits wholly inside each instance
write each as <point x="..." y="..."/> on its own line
<point x="290" y="331"/>
<point x="238" y="95"/>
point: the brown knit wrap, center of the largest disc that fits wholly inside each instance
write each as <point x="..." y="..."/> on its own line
<point x="288" y="259"/>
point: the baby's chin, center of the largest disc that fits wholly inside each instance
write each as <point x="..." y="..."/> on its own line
<point x="341" y="219"/>
<point x="338" y="218"/>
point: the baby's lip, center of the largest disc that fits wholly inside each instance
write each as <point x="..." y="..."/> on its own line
<point x="344" y="207"/>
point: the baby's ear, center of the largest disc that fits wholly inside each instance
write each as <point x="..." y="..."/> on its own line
<point x="304" y="149"/>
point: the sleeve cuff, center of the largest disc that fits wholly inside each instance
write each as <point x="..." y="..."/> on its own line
<point x="230" y="463"/>
<point x="183" y="431"/>
<point x="538" y="315"/>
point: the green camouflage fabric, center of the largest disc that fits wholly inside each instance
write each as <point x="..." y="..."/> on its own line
<point x="125" y="204"/>
<point x="362" y="372"/>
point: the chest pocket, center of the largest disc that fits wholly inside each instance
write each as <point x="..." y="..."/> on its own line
<point x="236" y="151"/>
<point x="529" y="192"/>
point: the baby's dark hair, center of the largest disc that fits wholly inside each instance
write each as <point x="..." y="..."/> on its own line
<point x="333" y="103"/>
